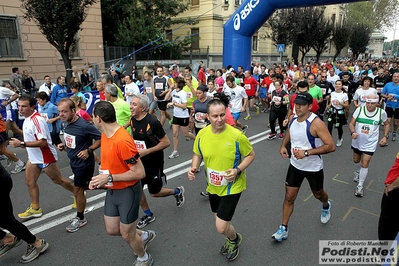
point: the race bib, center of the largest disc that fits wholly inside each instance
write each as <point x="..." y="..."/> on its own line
<point x="148" y="89"/>
<point x="365" y="129"/>
<point x="216" y="178"/>
<point x="70" y="141"/>
<point x="159" y="86"/>
<point x="345" y="88"/>
<point x="189" y="94"/>
<point x="247" y="86"/>
<point x="379" y="90"/>
<point x="276" y="99"/>
<point x="363" y="98"/>
<point x="324" y="91"/>
<point x="241" y="80"/>
<point x="199" y="117"/>
<point x="140" y="144"/>
<point x="294" y="149"/>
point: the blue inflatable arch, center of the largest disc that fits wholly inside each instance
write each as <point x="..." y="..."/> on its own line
<point x="248" y="18"/>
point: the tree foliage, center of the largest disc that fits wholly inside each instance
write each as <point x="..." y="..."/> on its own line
<point x="58" y="21"/>
<point x="305" y="27"/>
<point x="359" y="39"/>
<point x="375" y="14"/>
<point x="138" y="23"/>
<point x="340" y="38"/>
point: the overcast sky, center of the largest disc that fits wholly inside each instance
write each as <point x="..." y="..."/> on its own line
<point x="390" y="34"/>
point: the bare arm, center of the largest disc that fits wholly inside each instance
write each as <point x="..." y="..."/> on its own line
<point x="231" y="174"/>
<point x="195" y="163"/>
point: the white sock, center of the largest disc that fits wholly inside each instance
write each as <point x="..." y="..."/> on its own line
<point x="362" y="175"/>
<point x="144" y="258"/>
<point x="357" y="167"/>
<point x="144" y="235"/>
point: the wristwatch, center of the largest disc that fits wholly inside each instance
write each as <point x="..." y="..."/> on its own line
<point x="22" y="144"/>
<point x="306" y="153"/>
<point x="110" y="178"/>
<point x="90" y="151"/>
<point x="238" y="171"/>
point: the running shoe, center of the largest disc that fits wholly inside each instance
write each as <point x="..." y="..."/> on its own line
<point x="33" y="252"/>
<point x="18" y="168"/>
<point x="204" y="193"/>
<point x="231" y="248"/>
<point x="281" y="234"/>
<point x="325" y="214"/>
<point x="393" y="136"/>
<point x="263" y="110"/>
<point x="271" y="136"/>
<point x="173" y="155"/>
<point x="145" y="220"/>
<point x="9" y="161"/>
<point x="151" y="235"/>
<point x="248" y="117"/>
<point x="72" y="177"/>
<point x="244" y="129"/>
<point x="5" y="248"/>
<point x="31" y="213"/>
<point x="3" y="157"/>
<point x="148" y="262"/>
<point x="180" y="197"/>
<point x="257" y="110"/>
<point x="281" y="136"/>
<point x="339" y="142"/>
<point x="359" y="191"/>
<point x="76" y="224"/>
<point x="356" y="177"/>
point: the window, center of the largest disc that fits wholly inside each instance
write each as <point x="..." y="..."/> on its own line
<point x="10" y="39"/>
<point x="168" y="35"/>
<point x="194" y="2"/>
<point x="195" y="38"/>
<point x="255" y="42"/>
<point x="74" y="51"/>
<point x="333" y="17"/>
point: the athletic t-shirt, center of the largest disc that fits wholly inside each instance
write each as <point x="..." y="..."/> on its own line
<point x="179" y="97"/>
<point x="200" y="112"/>
<point x="393" y="173"/>
<point x="114" y="151"/>
<point x="78" y="136"/>
<point x="122" y="110"/>
<point x="146" y="134"/>
<point x="160" y="85"/>
<point x="191" y="97"/>
<point x="236" y="94"/>
<point x="367" y="127"/>
<point x="147" y="87"/>
<point x="341" y="97"/>
<point x="316" y="92"/>
<point x="221" y="152"/>
<point x="250" y="85"/>
<point x="391" y="89"/>
<point x="34" y="129"/>
<point x="83" y="114"/>
<point x="361" y="95"/>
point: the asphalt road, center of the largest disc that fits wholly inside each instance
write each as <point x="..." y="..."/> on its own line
<point x="187" y="235"/>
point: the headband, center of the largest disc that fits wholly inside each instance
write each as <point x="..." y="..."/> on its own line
<point x="372" y="100"/>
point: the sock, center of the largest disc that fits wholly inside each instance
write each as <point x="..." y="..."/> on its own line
<point x="80" y="215"/>
<point x="357" y="167"/>
<point x="144" y="235"/>
<point x="328" y="206"/>
<point x="362" y="175"/>
<point x="144" y="258"/>
<point x="176" y="191"/>
<point x="35" y="206"/>
<point x="286" y="227"/>
<point x="148" y="212"/>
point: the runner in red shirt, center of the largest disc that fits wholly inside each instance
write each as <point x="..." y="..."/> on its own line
<point x="251" y="88"/>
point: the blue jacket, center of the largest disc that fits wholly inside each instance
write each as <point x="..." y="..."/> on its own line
<point x="59" y="92"/>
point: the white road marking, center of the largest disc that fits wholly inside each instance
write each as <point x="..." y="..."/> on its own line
<point x="60" y="220"/>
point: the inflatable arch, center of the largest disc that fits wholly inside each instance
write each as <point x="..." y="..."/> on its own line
<point x="248" y="18"/>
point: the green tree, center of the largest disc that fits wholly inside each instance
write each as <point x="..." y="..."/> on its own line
<point x="375" y="14"/>
<point x="138" y="23"/>
<point x="59" y="21"/>
<point x="321" y="40"/>
<point x="359" y="39"/>
<point x="340" y="38"/>
<point x="280" y="27"/>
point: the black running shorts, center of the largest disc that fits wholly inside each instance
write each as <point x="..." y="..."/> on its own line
<point x="224" y="206"/>
<point x="295" y="177"/>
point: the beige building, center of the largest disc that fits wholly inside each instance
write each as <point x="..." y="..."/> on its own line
<point x="23" y="46"/>
<point x="214" y="13"/>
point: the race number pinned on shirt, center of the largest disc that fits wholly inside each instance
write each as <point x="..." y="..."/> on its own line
<point x="200" y="117"/>
<point x="159" y="86"/>
<point x="216" y="178"/>
<point x="324" y="91"/>
<point x="276" y="99"/>
<point x="379" y="90"/>
<point x="365" y="130"/>
<point x="148" y="89"/>
<point x="140" y="144"/>
<point x="247" y="87"/>
<point x="189" y="94"/>
<point x="241" y="80"/>
<point x="345" y="87"/>
<point x="295" y="149"/>
<point x="70" y="141"/>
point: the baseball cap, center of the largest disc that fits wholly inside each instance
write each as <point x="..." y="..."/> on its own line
<point x="303" y="98"/>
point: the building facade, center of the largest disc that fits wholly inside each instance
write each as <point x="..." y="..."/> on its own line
<point x="212" y="15"/>
<point x="22" y="45"/>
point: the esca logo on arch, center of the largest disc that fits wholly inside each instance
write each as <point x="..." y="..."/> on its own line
<point x="244" y="13"/>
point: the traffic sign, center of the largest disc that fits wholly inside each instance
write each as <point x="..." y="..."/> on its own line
<point x="280" y="48"/>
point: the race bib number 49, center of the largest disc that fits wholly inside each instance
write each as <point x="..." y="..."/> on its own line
<point x="216" y="178"/>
